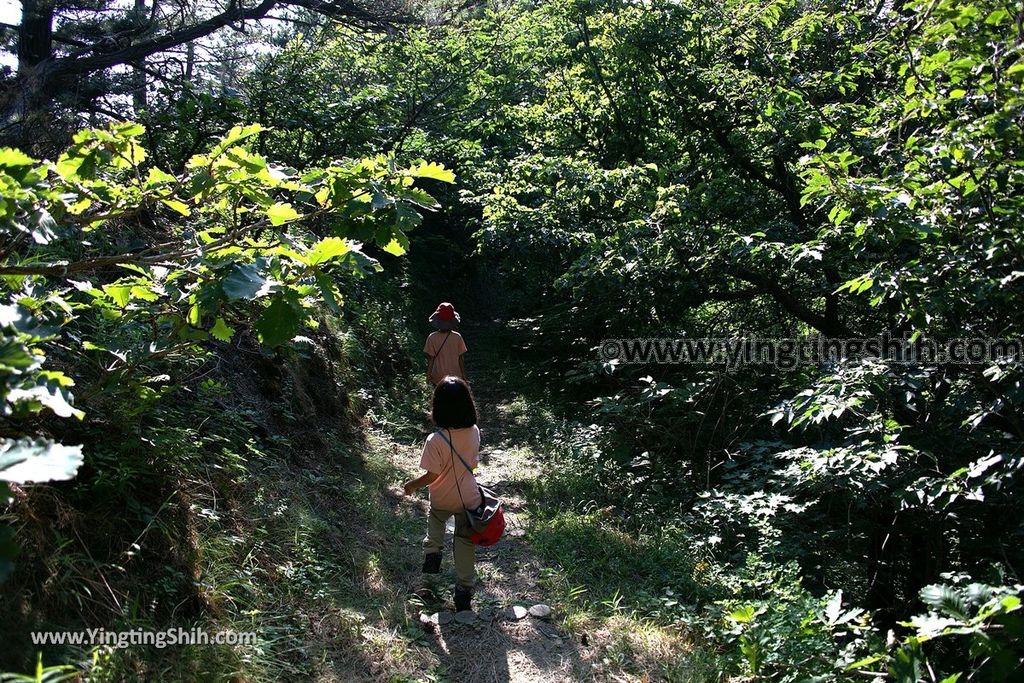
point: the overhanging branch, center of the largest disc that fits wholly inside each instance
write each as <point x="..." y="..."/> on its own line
<point x="827" y="325"/>
<point x="51" y="71"/>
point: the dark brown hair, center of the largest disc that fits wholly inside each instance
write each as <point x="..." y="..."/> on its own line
<point x="452" y="406"/>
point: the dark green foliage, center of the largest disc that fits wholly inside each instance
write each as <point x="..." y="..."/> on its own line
<point x="771" y="169"/>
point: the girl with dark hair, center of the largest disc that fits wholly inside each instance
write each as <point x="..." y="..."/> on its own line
<point x="449" y="455"/>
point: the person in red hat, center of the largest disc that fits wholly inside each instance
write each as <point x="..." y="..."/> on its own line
<point x="445" y="347"/>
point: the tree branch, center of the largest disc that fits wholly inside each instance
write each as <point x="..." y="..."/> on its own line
<point x="63" y="67"/>
<point x="74" y="66"/>
<point x="784" y="297"/>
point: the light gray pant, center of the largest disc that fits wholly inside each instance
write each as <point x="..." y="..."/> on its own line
<point x="464" y="550"/>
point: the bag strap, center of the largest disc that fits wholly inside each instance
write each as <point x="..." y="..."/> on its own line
<point x="433" y="359"/>
<point x="454" y="452"/>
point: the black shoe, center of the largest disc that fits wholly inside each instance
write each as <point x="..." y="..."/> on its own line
<point x="463" y="599"/>
<point x="432" y="563"/>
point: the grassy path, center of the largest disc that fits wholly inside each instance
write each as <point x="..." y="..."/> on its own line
<point x="494" y="648"/>
<point x="590" y="564"/>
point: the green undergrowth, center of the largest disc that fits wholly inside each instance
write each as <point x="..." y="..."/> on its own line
<point x="663" y="597"/>
<point x="623" y="590"/>
<point x="632" y="574"/>
<point x="253" y="494"/>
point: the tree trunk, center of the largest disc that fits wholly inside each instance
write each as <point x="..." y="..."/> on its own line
<point x="139" y="66"/>
<point x="882" y="542"/>
<point x="20" y="98"/>
<point x="35" y="37"/>
<point x="190" y="62"/>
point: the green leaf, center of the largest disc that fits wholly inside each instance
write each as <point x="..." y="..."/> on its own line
<point x="180" y="207"/>
<point x="861" y="663"/>
<point x="129" y="129"/>
<point x="743" y="615"/>
<point x="945" y="599"/>
<point x="15" y="158"/>
<point x="119" y="294"/>
<point x="406" y="218"/>
<point x="221" y="331"/>
<point x="395" y="247"/>
<point x="246" y="281"/>
<point x="144" y="293"/>
<point x="411" y="194"/>
<point x="44" y="394"/>
<point x="997" y="17"/>
<point x="328" y="249"/>
<point x="15" y="357"/>
<point x="279" y="322"/>
<point x="281" y="213"/>
<point x="234" y="136"/>
<point x="433" y="171"/>
<point x="158" y="177"/>
<point x="26" y="461"/>
<point x="76" y="163"/>
<point x="330" y="293"/>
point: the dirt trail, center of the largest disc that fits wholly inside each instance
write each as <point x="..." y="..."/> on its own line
<point x="499" y="649"/>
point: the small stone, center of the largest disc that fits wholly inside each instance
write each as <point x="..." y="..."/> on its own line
<point x="515" y="612"/>
<point x="426" y="618"/>
<point x="442" y="618"/>
<point x="485" y="615"/>
<point x="541" y="611"/>
<point x="466" y="616"/>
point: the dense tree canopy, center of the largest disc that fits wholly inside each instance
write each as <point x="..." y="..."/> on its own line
<point x="769" y="169"/>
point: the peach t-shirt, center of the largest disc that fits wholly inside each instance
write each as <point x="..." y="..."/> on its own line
<point x="438" y="458"/>
<point x="446" y="354"/>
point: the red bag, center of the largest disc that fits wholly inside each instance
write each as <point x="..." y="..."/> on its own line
<point x="488" y="519"/>
<point x="490" y="510"/>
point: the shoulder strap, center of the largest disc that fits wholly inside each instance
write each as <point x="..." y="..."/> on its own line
<point x="443" y="343"/>
<point x="458" y="487"/>
<point x="452" y="447"/>
<point x="433" y="359"/>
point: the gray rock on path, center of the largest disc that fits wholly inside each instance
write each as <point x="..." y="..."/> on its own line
<point x="515" y="612"/>
<point x="541" y="611"/>
<point x="442" y="618"/>
<point x="465" y="616"/>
